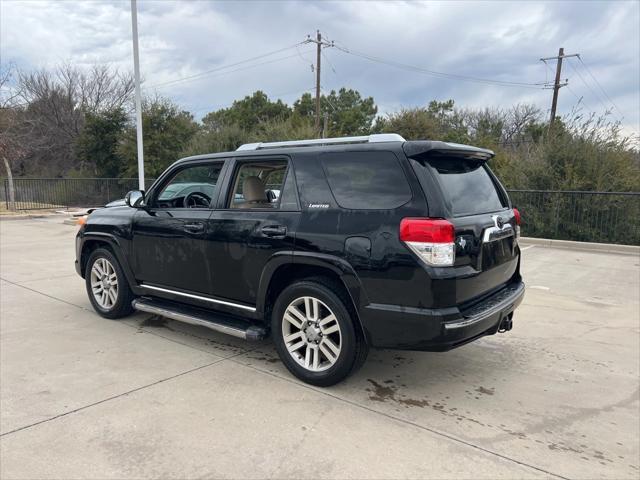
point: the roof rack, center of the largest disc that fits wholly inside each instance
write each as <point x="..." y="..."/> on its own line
<point x="376" y="138"/>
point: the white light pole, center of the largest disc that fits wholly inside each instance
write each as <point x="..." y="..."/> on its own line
<point x="136" y="69"/>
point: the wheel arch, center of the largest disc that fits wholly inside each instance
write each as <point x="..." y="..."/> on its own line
<point x="295" y="266"/>
<point x="95" y="240"/>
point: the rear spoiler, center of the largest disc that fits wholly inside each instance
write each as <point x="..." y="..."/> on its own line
<point x="421" y="148"/>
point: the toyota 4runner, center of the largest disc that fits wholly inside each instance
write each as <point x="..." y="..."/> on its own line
<point x="333" y="246"/>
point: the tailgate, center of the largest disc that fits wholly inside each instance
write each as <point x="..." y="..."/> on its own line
<point x="486" y="250"/>
<point x="488" y="245"/>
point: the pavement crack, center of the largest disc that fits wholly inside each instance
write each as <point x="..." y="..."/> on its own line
<point x="53" y="277"/>
<point x="114" y="397"/>
<point x="137" y="327"/>
<point x="46" y="295"/>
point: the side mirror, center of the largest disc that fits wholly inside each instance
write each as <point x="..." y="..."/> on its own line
<point x="134" y="198"/>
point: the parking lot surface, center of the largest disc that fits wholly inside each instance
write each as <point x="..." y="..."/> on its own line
<point x="145" y="397"/>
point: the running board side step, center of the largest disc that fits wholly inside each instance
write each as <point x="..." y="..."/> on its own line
<point x="218" y="322"/>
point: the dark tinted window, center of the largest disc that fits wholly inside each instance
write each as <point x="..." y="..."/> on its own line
<point x="366" y="180"/>
<point x="468" y="185"/>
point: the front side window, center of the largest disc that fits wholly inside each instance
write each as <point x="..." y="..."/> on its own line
<point x="191" y="187"/>
<point x="366" y="180"/>
<point x="258" y="185"/>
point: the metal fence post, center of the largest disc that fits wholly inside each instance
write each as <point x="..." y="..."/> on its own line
<point x="557" y="205"/>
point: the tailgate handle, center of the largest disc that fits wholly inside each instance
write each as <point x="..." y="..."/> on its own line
<point x="498" y="231"/>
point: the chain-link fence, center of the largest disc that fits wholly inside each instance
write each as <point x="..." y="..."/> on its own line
<point x="606" y="217"/>
<point x="43" y="193"/>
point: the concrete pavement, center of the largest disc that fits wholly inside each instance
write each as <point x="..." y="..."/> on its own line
<point x="85" y="397"/>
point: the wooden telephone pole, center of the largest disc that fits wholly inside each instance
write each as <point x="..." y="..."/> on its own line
<point x="319" y="44"/>
<point x="557" y="84"/>
<point x="318" y="65"/>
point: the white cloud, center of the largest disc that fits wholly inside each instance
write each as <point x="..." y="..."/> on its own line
<point x="498" y="40"/>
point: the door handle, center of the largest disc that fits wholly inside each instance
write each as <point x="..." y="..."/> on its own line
<point x="196" y="227"/>
<point x="274" y="231"/>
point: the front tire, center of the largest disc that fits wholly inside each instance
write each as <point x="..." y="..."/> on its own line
<point x="107" y="286"/>
<point x="315" y="333"/>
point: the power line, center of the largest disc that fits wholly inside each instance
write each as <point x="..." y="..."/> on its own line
<point x="326" y="97"/>
<point x="326" y="57"/>
<point x="305" y="60"/>
<point x="580" y="99"/>
<point x="414" y="68"/>
<point x="599" y="85"/>
<point x="595" y="94"/>
<point x="224" y="67"/>
<point x="248" y="67"/>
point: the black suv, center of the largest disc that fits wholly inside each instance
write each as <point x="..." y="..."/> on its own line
<point x="332" y="245"/>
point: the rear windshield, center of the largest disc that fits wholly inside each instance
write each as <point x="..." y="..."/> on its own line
<point x="467" y="184"/>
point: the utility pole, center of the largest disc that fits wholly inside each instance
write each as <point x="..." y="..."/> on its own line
<point x="319" y="44"/>
<point x="557" y="84"/>
<point x="318" y="65"/>
<point x="136" y="69"/>
<point x="325" y="128"/>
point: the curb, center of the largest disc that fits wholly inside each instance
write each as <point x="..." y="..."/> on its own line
<point x="589" y="246"/>
<point x="4" y="218"/>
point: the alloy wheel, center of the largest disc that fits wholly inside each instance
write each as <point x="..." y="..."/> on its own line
<point x="311" y="334"/>
<point x="104" y="283"/>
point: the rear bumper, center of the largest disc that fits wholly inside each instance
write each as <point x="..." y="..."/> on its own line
<point x="393" y="326"/>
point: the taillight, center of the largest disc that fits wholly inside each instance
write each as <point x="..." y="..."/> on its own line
<point x="516" y="213"/>
<point x="432" y="239"/>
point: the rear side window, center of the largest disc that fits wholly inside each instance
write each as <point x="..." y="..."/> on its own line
<point x="258" y="184"/>
<point x="366" y="180"/>
<point x="467" y="184"/>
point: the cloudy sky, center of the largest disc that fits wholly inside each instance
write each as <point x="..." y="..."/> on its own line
<point x="500" y="41"/>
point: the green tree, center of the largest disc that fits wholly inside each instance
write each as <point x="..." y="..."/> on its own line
<point x="166" y="129"/>
<point x="411" y="123"/>
<point x="225" y="138"/>
<point x="305" y="106"/>
<point x="97" y="145"/>
<point x="437" y="121"/>
<point x="348" y="113"/>
<point x="230" y="137"/>
<point x="247" y="113"/>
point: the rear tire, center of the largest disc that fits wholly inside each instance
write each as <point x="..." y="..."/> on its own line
<point x="315" y="332"/>
<point x="107" y="285"/>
